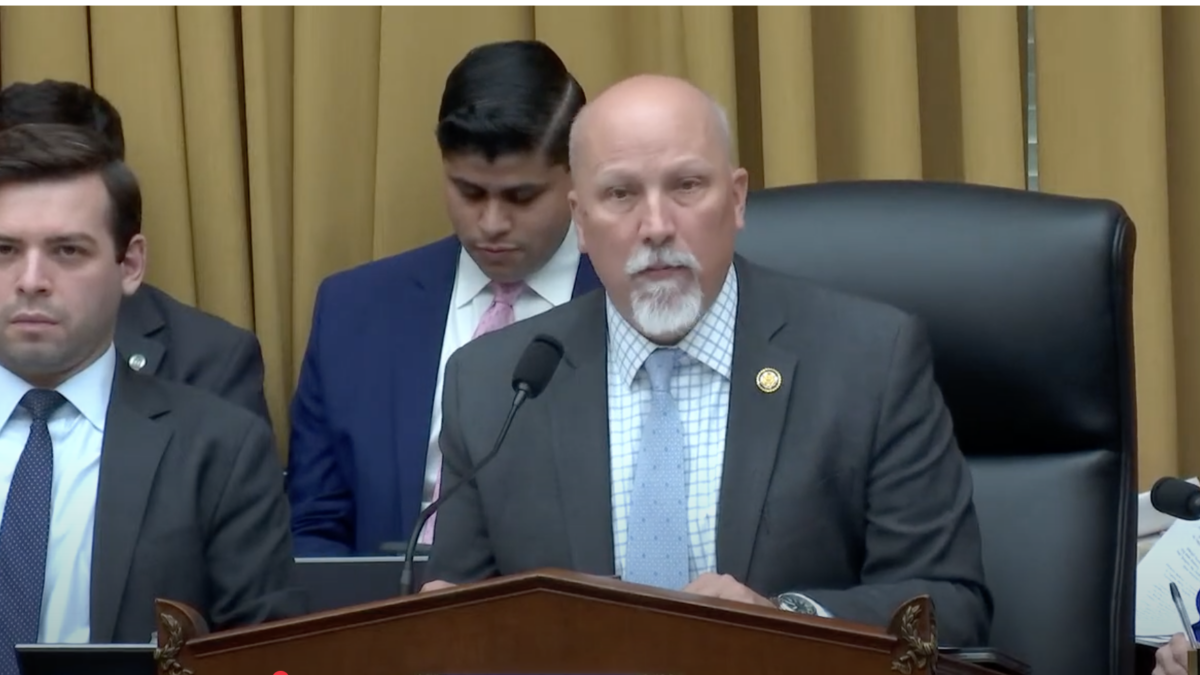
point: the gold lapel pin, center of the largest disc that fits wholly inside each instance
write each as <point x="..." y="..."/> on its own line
<point x="768" y="380"/>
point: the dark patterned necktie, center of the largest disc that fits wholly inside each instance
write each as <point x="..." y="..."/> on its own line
<point x="25" y="532"/>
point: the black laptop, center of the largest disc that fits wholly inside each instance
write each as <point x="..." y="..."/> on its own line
<point x="331" y="583"/>
<point x="86" y="659"/>
<point x="334" y="583"/>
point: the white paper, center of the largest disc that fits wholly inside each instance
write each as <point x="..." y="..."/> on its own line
<point x="1176" y="557"/>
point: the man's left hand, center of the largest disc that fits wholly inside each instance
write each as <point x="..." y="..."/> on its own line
<point x="724" y="586"/>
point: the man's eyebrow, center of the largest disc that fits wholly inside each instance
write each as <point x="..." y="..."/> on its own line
<point x="464" y="182"/>
<point x="614" y="174"/>
<point x="72" y="238"/>
<point x="524" y="187"/>
<point x="691" y="164"/>
<point x="518" y="187"/>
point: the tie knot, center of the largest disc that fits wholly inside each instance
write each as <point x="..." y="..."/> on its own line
<point x="41" y="403"/>
<point x="507" y="293"/>
<point x="660" y="365"/>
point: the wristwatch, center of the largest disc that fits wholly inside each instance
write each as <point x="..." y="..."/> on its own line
<point x="794" y="602"/>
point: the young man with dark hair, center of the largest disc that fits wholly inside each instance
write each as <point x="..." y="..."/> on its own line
<point x="115" y="488"/>
<point x="156" y="334"/>
<point x="364" y="458"/>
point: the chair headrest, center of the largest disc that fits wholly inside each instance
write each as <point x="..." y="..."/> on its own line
<point x="1027" y="296"/>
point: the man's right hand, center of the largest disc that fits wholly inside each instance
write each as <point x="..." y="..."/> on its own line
<point x="1171" y="658"/>
<point x="437" y="585"/>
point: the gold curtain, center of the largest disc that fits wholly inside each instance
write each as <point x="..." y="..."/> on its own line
<point x="278" y="145"/>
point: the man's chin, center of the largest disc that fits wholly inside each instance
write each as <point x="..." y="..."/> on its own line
<point x="665" y="286"/>
<point x="667" y="319"/>
<point x="34" y="368"/>
<point x="43" y="357"/>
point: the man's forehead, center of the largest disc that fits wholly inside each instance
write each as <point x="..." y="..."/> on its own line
<point x="669" y="139"/>
<point x="659" y="163"/>
<point x="503" y="174"/>
<point x="624" y="151"/>
<point x="48" y="227"/>
<point x="43" y="210"/>
<point x="498" y="182"/>
<point x="87" y="187"/>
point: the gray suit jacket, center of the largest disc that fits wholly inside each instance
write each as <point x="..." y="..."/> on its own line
<point x="846" y="484"/>
<point x="184" y="344"/>
<point x="191" y="508"/>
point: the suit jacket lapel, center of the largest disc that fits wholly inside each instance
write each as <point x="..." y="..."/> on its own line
<point x="133" y="446"/>
<point x="420" y="328"/>
<point x="579" y="421"/>
<point x="586" y="280"/>
<point x="756" y="420"/>
<point x="137" y="322"/>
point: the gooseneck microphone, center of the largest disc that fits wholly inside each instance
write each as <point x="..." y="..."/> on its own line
<point x="532" y="374"/>
<point x="1176" y="497"/>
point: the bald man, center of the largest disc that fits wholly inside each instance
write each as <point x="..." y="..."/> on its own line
<point x="714" y="427"/>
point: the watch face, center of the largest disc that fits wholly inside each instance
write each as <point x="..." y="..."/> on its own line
<point x="795" y="603"/>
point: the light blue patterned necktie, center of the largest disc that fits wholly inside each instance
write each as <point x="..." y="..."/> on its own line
<point x="657" y="549"/>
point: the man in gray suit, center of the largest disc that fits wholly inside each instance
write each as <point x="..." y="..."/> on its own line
<point x="117" y="488"/>
<point x="713" y="427"/>
<point x="156" y="334"/>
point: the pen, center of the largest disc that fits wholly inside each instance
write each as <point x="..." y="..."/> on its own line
<point x="1187" y="625"/>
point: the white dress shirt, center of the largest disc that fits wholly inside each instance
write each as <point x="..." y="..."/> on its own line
<point x="550" y="286"/>
<point x="77" y="432"/>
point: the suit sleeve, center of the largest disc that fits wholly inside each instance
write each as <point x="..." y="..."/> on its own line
<point x="249" y="544"/>
<point x="922" y="533"/>
<point x="321" y="500"/>
<point x="241" y="381"/>
<point x="461" y="551"/>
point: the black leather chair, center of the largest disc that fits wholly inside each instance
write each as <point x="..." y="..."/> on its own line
<point x="1027" y="298"/>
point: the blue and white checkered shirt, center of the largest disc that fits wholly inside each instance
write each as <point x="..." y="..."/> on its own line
<point x="700" y="387"/>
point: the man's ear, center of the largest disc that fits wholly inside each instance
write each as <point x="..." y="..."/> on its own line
<point x="741" y="188"/>
<point x="578" y="215"/>
<point x="133" y="265"/>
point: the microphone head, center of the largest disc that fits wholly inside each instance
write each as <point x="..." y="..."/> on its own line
<point x="1176" y="497"/>
<point x="537" y="365"/>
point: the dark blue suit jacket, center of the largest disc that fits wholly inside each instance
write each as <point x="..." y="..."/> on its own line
<point x="362" y="408"/>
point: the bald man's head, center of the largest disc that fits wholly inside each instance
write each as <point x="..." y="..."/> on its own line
<point x="657" y="200"/>
<point x="649" y="85"/>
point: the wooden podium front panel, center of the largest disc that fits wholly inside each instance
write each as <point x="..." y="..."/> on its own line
<point x="556" y="622"/>
<point x="606" y="638"/>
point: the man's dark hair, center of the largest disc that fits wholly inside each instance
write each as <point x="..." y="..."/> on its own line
<point x="54" y="102"/>
<point x="33" y="153"/>
<point x="508" y="98"/>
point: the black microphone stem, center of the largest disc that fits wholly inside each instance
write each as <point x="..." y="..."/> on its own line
<point x="406" y="575"/>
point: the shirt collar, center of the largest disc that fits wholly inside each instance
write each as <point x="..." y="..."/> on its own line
<point x="554" y="282"/>
<point x="710" y="342"/>
<point x="88" y="391"/>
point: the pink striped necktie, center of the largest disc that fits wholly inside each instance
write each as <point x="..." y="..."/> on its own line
<point x="498" y="315"/>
